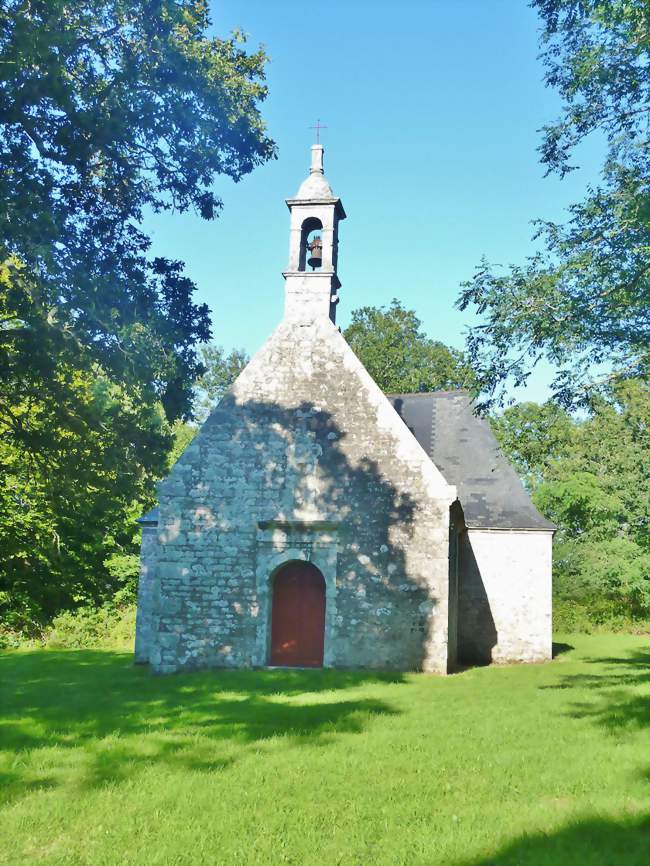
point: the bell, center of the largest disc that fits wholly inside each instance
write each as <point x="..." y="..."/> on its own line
<point x="315" y="260"/>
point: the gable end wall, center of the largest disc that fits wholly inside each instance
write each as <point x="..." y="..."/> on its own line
<point x="303" y="459"/>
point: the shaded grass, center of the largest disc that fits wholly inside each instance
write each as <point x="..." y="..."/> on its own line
<point x="103" y="763"/>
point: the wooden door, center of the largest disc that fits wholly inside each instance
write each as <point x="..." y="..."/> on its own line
<point x="298" y="616"/>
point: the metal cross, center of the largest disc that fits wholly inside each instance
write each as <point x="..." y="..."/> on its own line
<point x="318" y="126"/>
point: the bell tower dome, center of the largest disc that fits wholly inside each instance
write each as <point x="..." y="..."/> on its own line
<point x="311" y="281"/>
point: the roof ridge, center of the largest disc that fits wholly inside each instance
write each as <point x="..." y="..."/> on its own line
<point x="425" y="393"/>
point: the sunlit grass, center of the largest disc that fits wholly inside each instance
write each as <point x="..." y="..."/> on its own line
<point x="103" y="763"/>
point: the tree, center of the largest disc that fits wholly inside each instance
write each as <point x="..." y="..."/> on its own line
<point x="533" y="437"/>
<point x="220" y="371"/>
<point x="69" y="499"/>
<point x="107" y="108"/>
<point x="183" y="435"/>
<point x="590" y="477"/>
<point x="399" y="356"/>
<point x="582" y="300"/>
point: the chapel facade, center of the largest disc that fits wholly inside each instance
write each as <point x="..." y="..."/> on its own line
<point x="316" y="521"/>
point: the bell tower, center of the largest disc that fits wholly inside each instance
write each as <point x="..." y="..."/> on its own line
<point x="311" y="282"/>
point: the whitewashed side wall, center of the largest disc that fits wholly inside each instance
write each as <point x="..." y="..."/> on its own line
<point x="505" y="611"/>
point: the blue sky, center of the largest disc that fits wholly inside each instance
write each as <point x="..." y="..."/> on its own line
<point x="432" y="109"/>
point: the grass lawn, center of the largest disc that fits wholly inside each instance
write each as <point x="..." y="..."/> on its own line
<point x="103" y="763"/>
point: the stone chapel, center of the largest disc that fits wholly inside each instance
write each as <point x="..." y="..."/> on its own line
<point x="315" y="521"/>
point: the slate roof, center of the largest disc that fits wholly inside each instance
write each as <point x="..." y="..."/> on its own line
<point x="465" y="450"/>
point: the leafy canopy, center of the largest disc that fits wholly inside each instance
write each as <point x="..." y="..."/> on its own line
<point x="583" y="300"/>
<point x="108" y="108"/>
<point x="220" y="371"/>
<point x="533" y="436"/>
<point x="398" y="355"/>
<point x="590" y="477"/>
<point x="77" y="463"/>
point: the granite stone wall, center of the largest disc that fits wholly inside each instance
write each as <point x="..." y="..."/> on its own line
<point x="147" y="593"/>
<point x="303" y="459"/>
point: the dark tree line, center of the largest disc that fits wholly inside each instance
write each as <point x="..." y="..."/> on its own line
<point x="107" y="107"/>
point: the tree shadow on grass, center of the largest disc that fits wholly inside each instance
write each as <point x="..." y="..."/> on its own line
<point x="124" y="718"/>
<point x="591" y="842"/>
<point x="617" y="698"/>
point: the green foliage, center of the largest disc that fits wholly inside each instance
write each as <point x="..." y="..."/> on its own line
<point x="75" y="474"/>
<point x="183" y="435"/>
<point x="110" y="626"/>
<point x="597" y="615"/>
<point x="584" y="298"/>
<point x="533" y="436"/>
<point x="220" y="371"/>
<point x="124" y="569"/>
<point x="107" y="107"/>
<point x="579" y="502"/>
<point x="614" y="571"/>
<point x="106" y="627"/>
<point x="524" y="765"/>
<point x="399" y="356"/>
<point x="591" y="477"/>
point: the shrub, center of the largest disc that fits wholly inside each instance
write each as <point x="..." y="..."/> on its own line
<point x="108" y="626"/>
<point x="124" y="568"/>
<point x="595" y="615"/>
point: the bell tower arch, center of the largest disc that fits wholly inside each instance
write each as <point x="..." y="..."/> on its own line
<point x="311" y="280"/>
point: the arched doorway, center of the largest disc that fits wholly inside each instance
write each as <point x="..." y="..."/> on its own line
<point x="298" y="616"/>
